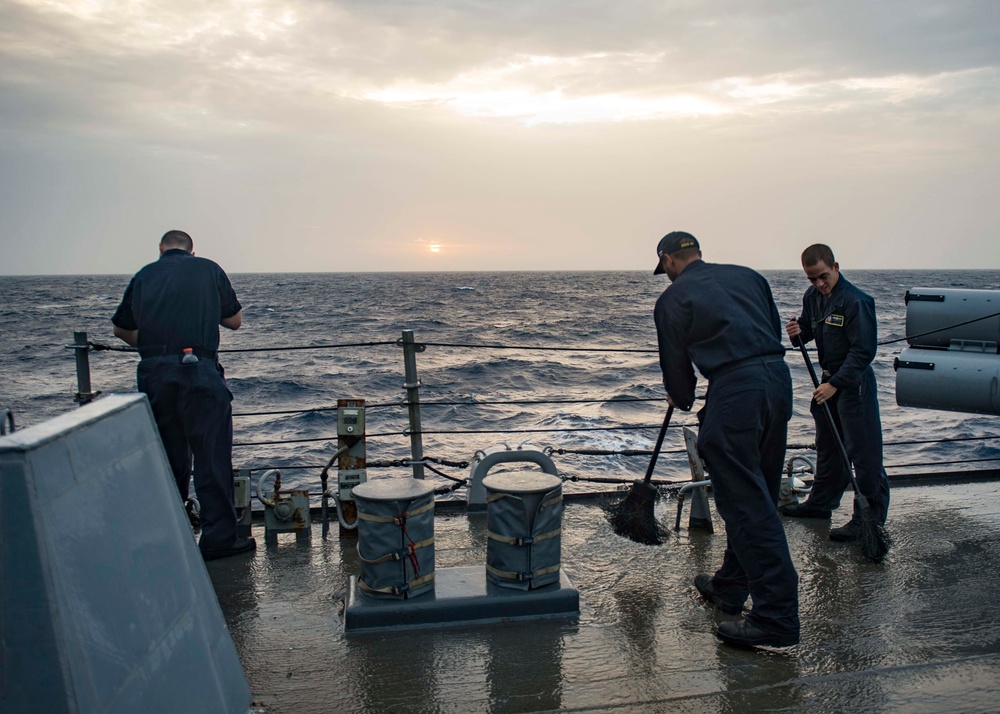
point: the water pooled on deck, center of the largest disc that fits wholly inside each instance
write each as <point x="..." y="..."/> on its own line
<point x="916" y="633"/>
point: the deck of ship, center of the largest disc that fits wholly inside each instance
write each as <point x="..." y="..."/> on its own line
<point x="917" y="633"/>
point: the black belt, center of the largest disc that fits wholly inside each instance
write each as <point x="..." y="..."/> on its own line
<point x="161" y="351"/>
<point x="762" y="359"/>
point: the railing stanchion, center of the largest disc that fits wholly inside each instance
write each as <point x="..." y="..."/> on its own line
<point x="412" y="387"/>
<point x="81" y="349"/>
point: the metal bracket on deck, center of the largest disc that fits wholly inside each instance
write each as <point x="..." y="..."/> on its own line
<point x="241" y="500"/>
<point x="791" y="486"/>
<point x="285" y="511"/>
<point x="701" y="514"/>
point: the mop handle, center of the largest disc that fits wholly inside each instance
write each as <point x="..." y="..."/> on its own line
<point x="659" y="443"/>
<point x="863" y="502"/>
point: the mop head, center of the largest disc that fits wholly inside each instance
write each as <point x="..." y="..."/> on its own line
<point x="875" y="539"/>
<point x="633" y="516"/>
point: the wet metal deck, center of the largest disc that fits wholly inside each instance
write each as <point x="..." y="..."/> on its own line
<point x="918" y="633"/>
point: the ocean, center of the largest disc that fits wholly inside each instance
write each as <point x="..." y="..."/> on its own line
<point x="484" y="388"/>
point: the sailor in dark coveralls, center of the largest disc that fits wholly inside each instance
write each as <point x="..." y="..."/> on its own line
<point x="841" y="319"/>
<point x="723" y="319"/>
<point x="171" y="311"/>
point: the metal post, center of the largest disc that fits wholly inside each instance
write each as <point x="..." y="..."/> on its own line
<point x="82" y="351"/>
<point x="412" y="387"/>
<point x="6" y="420"/>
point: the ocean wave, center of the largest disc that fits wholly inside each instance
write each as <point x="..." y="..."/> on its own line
<point x="606" y="309"/>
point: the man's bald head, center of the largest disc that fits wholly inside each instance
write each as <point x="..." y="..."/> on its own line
<point x="176" y="239"/>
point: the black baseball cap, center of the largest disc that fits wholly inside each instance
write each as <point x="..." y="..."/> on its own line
<point x="672" y="243"/>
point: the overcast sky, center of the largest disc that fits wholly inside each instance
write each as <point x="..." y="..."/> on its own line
<point x="357" y="135"/>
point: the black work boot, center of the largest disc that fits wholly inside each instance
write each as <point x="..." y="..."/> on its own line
<point x="746" y="634"/>
<point x="240" y="545"/>
<point x="804" y="510"/>
<point x="705" y="588"/>
<point x="847" y="533"/>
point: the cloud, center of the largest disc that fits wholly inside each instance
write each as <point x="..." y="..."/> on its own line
<point x="192" y="67"/>
<point x="529" y="124"/>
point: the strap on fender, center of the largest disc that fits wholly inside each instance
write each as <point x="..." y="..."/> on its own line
<point x="521" y="577"/>
<point x="401" y="590"/>
<point x="397" y="555"/>
<point x="527" y="540"/>
<point x="398" y="520"/>
<point x="552" y="501"/>
<point x="545" y="504"/>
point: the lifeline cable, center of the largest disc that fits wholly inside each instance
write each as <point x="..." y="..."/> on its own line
<point x="405" y="403"/>
<point x="942" y="463"/>
<point x="610" y="400"/>
<point x="305" y="441"/>
<point x="408" y="432"/>
<point x="644" y="452"/>
<point x="537" y="348"/>
<point x="98" y="347"/>
<point x="309" y="410"/>
<point x="459" y="481"/>
<point x="447" y="462"/>
<point x="308" y="347"/>
<point x="941" y="441"/>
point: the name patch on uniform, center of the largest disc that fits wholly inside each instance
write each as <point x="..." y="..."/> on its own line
<point x="835" y="320"/>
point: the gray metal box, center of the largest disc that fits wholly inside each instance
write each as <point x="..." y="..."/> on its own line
<point x="105" y="603"/>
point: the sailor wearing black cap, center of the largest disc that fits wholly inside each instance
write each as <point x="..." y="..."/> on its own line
<point x="722" y="318"/>
<point x="171" y="311"/>
<point x="841" y="318"/>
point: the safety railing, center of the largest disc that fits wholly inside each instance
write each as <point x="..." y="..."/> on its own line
<point x="419" y="462"/>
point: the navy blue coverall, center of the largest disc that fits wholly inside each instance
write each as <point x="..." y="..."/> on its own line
<point x="174" y="303"/>
<point x="845" y="329"/>
<point x="722" y="318"/>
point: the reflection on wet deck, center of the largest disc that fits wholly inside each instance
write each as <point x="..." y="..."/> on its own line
<point x="918" y="633"/>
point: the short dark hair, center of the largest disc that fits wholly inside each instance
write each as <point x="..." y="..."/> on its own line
<point x="817" y="253"/>
<point x="177" y="239"/>
<point x="686" y="254"/>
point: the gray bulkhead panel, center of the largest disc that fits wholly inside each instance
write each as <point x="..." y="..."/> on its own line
<point x="105" y="603"/>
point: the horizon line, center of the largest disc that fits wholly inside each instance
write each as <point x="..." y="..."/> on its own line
<point x="457" y="271"/>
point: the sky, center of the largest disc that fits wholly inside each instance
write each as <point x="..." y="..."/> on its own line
<point x="395" y="135"/>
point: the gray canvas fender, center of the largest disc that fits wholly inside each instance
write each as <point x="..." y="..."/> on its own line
<point x="524" y="529"/>
<point x="395" y="538"/>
